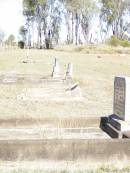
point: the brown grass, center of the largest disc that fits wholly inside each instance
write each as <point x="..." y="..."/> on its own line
<point x="94" y="72"/>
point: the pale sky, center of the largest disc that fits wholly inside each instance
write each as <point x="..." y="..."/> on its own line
<point x="11" y="16"/>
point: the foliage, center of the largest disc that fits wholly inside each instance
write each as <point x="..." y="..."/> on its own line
<point x="112" y="13"/>
<point x="80" y="13"/>
<point x="23" y="33"/>
<point x="114" y="41"/>
<point x="10" y="40"/>
<point x="46" y="15"/>
<point x="21" y="44"/>
<point x="2" y="35"/>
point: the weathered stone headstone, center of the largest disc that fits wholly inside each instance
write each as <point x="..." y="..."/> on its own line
<point x="119" y="122"/>
<point x="56" y="69"/>
<point x="27" y="53"/>
<point x="69" y="72"/>
<point x="122" y="98"/>
<point x="120" y="119"/>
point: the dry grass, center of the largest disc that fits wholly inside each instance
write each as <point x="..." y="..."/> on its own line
<point x="95" y="49"/>
<point x="58" y="167"/>
<point x="94" y="72"/>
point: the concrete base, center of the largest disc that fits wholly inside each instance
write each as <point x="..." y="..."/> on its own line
<point x="119" y="124"/>
<point x="109" y="129"/>
<point x="18" y="145"/>
<point x="115" y="127"/>
<point x="72" y="150"/>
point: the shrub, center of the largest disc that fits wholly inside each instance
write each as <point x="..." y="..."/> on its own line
<point x="114" y="41"/>
<point x="125" y="43"/>
<point x="21" y="44"/>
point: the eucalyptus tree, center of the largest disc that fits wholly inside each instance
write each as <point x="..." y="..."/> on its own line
<point x="29" y="13"/>
<point x="2" y="35"/>
<point x="88" y="9"/>
<point x="23" y="33"/>
<point x="79" y="14"/>
<point x="112" y="14"/>
<point x="72" y="19"/>
<point x="47" y="16"/>
<point x="11" y="39"/>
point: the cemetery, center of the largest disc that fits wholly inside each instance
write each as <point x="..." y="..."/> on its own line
<point x="65" y="86"/>
<point x="91" y="139"/>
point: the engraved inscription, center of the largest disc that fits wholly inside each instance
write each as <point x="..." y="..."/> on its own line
<point x="119" y="97"/>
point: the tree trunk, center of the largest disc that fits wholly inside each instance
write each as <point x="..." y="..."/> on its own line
<point x="72" y="29"/>
<point x="76" y="29"/>
<point x="68" y="28"/>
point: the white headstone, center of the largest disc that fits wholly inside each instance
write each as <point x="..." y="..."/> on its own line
<point x="122" y="97"/>
<point x="69" y="72"/>
<point x="56" y="69"/>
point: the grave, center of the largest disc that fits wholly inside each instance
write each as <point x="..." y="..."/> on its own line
<point x="56" y="69"/>
<point x="69" y="72"/>
<point x="9" y="79"/>
<point x="67" y="138"/>
<point x="119" y="122"/>
<point x="52" y="92"/>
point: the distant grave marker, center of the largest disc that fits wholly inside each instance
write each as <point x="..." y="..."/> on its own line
<point x="69" y="72"/>
<point x="56" y="69"/>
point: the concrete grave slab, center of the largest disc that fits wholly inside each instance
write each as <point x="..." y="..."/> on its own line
<point x="50" y="93"/>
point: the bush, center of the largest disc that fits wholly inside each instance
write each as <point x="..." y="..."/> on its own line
<point x="21" y="44"/>
<point x="125" y="43"/>
<point x="114" y="41"/>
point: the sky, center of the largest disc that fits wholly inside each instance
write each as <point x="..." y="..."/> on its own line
<point x="11" y="17"/>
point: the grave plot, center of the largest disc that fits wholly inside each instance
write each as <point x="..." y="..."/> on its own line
<point x="48" y="138"/>
<point x="53" y="92"/>
<point x="54" y="87"/>
<point x="65" y="139"/>
<point x="55" y="76"/>
<point x="27" y="79"/>
<point x="58" y="139"/>
<point x="8" y="78"/>
<point x="51" y="128"/>
<point x="118" y="124"/>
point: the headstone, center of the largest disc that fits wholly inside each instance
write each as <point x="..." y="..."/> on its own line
<point x="122" y="98"/>
<point x="27" y="56"/>
<point x="69" y="72"/>
<point x="56" y="69"/>
<point x="121" y="113"/>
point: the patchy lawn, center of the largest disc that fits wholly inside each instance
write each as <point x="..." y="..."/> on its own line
<point x="94" y="72"/>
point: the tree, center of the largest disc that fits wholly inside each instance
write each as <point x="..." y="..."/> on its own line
<point x="2" y="35"/>
<point x="29" y="7"/>
<point x="79" y="14"/>
<point x="11" y="40"/>
<point x="46" y="15"/>
<point x="23" y="33"/>
<point x="112" y="13"/>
